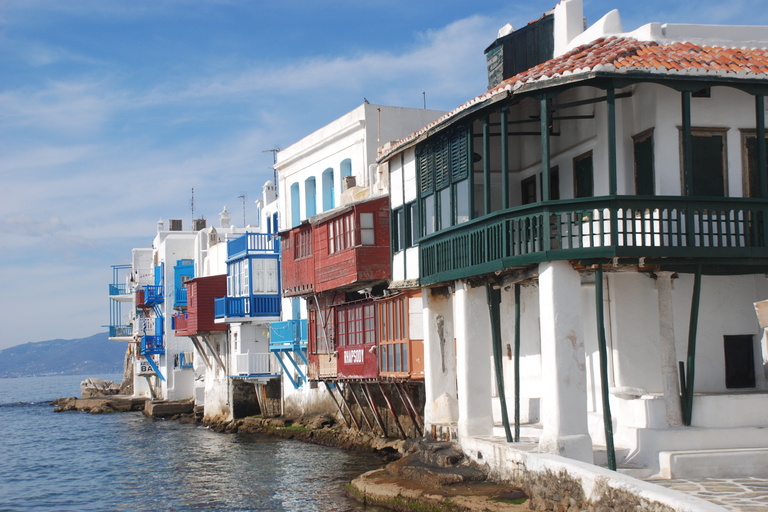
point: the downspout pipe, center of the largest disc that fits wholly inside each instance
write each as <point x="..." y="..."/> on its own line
<point x="607" y="419"/>
<point x="494" y="300"/>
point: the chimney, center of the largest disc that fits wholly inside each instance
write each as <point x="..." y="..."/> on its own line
<point x="269" y="192"/>
<point x="224" y="219"/>
<point x="348" y="183"/>
<point x="160" y="225"/>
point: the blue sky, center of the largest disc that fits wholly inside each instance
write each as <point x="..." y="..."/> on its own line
<point x="112" y="111"/>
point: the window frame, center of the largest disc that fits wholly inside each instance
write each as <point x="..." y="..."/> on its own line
<point x="645" y="135"/>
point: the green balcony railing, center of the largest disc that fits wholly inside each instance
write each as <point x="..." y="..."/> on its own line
<point x="613" y="226"/>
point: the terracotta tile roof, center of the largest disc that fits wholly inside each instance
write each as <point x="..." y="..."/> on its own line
<point x="624" y="55"/>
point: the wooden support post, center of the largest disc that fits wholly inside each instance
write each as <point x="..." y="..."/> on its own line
<point x="494" y="299"/>
<point x="545" y="167"/>
<point x="375" y="411"/>
<point x="392" y="410"/>
<point x="333" y="397"/>
<point x="688" y="167"/>
<point x="349" y="410"/>
<point x="761" y="151"/>
<point x="517" y="362"/>
<point x="470" y="174"/>
<point x="687" y="373"/>
<point x="360" y="406"/>
<point x="612" y="166"/>
<point x="504" y="159"/>
<point x="486" y="166"/>
<point x="607" y="419"/>
<point x="412" y="413"/>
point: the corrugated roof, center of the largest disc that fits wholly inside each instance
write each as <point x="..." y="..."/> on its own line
<point x="618" y="55"/>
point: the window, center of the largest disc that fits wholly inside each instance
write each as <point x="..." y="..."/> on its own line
<point x="367" y="234"/>
<point x="583" y="177"/>
<point x="329" y="202"/>
<point x="321" y="335"/>
<point x="341" y="233"/>
<point x="393" y="335"/>
<point x="302" y="247"/>
<point x="441" y="163"/>
<point x="461" y="201"/>
<point x="708" y="165"/>
<point x="644" y="168"/>
<point x="412" y="224"/>
<point x="356" y="324"/>
<point x="295" y="205"/>
<point x="346" y="168"/>
<point x="751" y="180"/>
<point x="554" y="183"/>
<point x="528" y="190"/>
<point x="445" y="208"/>
<point x="310" y="195"/>
<point x="739" y="362"/>
<point x="398" y="230"/>
<point x="428" y="215"/>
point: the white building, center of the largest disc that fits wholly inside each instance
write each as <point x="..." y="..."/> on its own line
<point x="615" y="183"/>
<point x="330" y="168"/>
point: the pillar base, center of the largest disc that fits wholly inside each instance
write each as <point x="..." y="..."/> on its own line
<point x="577" y="447"/>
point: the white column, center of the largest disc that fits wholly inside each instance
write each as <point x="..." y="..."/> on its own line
<point x="473" y="360"/>
<point x="563" y="363"/>
<point x="669" y="376"/>
<point x="440" y="404"/>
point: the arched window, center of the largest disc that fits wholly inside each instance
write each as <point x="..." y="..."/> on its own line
<point x="346" y="168"/>
<point x="310" y="194"/>
<point x="295" y="205"/>
<point x="329" y="202"/>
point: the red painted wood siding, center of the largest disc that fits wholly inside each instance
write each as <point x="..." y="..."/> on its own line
<point x="360" y="264"/>
<point x="298" y="275"/>
<point x="200" y="310"/>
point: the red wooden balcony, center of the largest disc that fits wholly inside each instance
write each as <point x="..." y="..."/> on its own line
<point x="344" y="248"/>
<point x="199" y="318"/>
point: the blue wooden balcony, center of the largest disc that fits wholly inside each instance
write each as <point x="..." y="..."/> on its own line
<point x="154" y="294"/>
<point x="254" y="306"/>
<point x="152" y="345"/>
<point x="120" y="331"/>
<point x="253" y="243"/>
<point x="722" y="231"/>
<point x="118" y="289"/>
<point x="286" y="339"/>
<point x="288" y="336"/>
<point x="180" y="298"/>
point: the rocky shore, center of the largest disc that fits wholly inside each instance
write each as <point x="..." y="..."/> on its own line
<point x="417" y="475"/>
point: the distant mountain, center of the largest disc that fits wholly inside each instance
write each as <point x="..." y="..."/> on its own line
<point x="93" y="355"/>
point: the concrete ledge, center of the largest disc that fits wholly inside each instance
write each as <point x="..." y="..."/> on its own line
<point x="727" y="463"/>
<point x="163" y="409"/>
<point x="554" y="480"/>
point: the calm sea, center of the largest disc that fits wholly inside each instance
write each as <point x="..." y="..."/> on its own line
<point x="81" y="462"/>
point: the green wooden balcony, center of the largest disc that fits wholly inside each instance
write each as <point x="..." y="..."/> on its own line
<point x="727" y="231"/>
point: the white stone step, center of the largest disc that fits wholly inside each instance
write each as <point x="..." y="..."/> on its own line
<point x="718" y="463"/>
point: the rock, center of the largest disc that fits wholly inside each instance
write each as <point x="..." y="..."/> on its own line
<point x="321" y="421"/>
<point x="93" y="387"/>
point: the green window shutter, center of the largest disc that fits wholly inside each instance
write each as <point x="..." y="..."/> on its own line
<point x="425" y="168"/>
<point x="442" y="163"/>
<point x="459" y="153"/>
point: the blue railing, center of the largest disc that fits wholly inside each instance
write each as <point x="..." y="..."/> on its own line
<point x="289" y="335"/>
<point x="118" y="289"/>
<point x="120" y="331"/>
<point x="255" y="306"/>
<point x="152" y="345"/>
<point x="251" y="243"/>
<point x="154" y="294"/>
<point x="183" y="363"/>
<point x="180" y="298"/>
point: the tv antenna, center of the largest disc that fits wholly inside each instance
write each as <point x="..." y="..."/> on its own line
<point x="242" y="196"/>
<point x="192" y="206"/>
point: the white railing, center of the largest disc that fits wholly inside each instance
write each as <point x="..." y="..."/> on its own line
<point x="254" y="364"/>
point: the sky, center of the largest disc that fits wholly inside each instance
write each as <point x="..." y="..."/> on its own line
<point x="112" y="111"/>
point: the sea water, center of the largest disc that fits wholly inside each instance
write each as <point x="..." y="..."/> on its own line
<point x="126" y="462"/>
